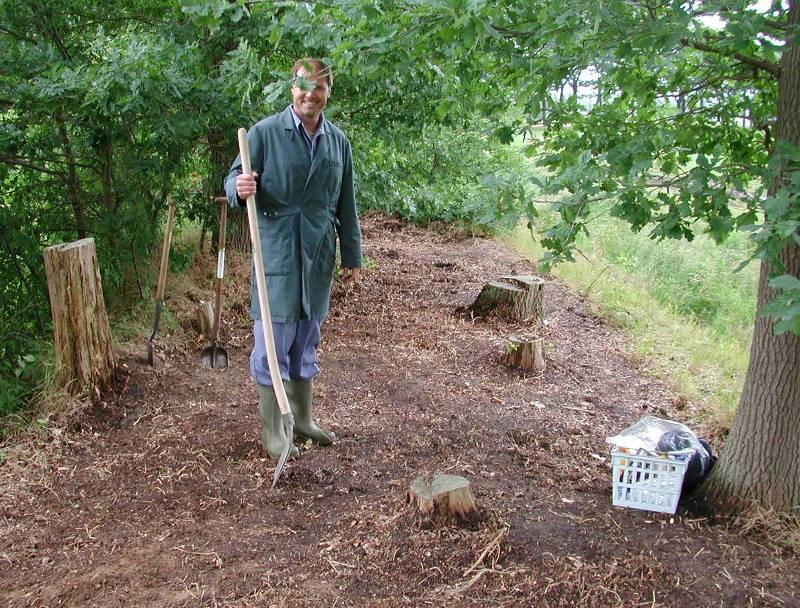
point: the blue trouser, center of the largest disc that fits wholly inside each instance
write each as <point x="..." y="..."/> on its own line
<point x="296" y="346"/>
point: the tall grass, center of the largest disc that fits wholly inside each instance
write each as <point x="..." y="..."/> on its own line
<point x="692" y="279"/>
<point x="688" y="312"/>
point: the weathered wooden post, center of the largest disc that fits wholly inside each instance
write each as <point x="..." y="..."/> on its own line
<point x="84" y="354"/>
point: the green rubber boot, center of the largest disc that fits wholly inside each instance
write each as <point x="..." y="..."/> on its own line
<point x="273" y="435"/>
<point x="301" y="395"/>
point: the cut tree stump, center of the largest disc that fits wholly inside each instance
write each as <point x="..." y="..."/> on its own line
<point x="444" y="496"/>
<point x="204" y="317"/>
<point x="82" y="335"/>
<point x="513" y="298"/>
<point x="525" y="352"/>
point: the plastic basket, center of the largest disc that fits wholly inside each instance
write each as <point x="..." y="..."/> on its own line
<point x="650" y="483"/>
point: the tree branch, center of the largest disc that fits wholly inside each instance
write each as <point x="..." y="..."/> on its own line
<point x="767" y="66"/>
<point x="21" y="162"/>
<point x="17" y="35"/>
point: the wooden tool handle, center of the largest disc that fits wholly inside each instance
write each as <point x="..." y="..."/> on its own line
<point x="261" y="284"/>
<point x="223" y="215"/>
<point x="162" y="273"/>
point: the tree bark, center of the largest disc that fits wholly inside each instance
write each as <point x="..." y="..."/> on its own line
<point x="73" y="185"/>
<point x="222" y="148"/>
<point x="106" y="153"/>
<point x="761" y="460"/>
<point x="545" y="120"/>
<point x="222" y="151"/>
<point x="84" y="354"/>
<point x="525" y="353"/>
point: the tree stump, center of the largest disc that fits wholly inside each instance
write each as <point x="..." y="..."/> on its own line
<point x="513" y="298"/>
<point x="204" y="318"/>
<point x="82" y="335"/>
<point x="525" y="352"/>
<point x="444" y="496"/>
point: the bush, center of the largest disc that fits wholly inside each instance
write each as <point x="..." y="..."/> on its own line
<point x="460" y="176"/>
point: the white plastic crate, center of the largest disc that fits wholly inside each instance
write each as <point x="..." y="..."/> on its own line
<point x="650" y="483"/>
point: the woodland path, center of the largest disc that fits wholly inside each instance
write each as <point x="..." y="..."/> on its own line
<point x="160" y="497"/>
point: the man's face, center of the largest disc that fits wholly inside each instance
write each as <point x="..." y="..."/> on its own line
<point x="309" y="104"/>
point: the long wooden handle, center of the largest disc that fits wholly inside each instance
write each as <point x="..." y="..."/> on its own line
<point x="261" y="284"/>
<point x="162" y="273"/>
<point x="223" y="215"/>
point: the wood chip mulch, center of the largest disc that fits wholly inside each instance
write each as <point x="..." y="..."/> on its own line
<point x="160" y="496"/>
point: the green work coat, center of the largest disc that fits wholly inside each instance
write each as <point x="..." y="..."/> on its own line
<point x="302" y="207"/>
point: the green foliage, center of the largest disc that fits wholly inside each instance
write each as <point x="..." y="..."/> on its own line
<point x="455" y="175"/>
<point x="682" y="125"/>
<point x="181" y="256"/>
<point x="104" y="113"/>
<point x="785" y="307"/>
<point x="697" y="280"/>
<point x="106" y="110"/>
<point x="369" y="264"/>
<point x="23" y="368"/>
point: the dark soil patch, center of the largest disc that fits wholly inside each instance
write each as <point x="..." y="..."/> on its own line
<point x="162" y="498"/>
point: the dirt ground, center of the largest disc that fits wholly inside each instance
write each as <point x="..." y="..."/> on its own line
<point x="160" y="496"/>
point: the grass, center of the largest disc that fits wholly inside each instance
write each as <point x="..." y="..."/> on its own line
<point x="694" y="280"/>
<point x="689" y="315"/>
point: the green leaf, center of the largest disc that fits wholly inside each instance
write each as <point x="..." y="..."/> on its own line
<point x="304" y="84"/>
<point x="785" y="281"/>
<point x="274" y="91"/>
<point x="504" y="134"/>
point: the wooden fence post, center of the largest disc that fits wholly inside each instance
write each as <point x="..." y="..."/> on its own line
<point x="84" y="353"/>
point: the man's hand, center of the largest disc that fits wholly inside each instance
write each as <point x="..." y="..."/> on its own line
<point x="349" y="275"/>
<point x="246" y="185"/>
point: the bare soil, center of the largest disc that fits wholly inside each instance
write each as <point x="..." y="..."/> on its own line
<point x="160" y="495"/>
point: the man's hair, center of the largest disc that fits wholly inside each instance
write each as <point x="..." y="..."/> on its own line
<point x="314" y="68"/>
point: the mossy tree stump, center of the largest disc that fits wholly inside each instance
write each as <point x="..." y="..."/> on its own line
<point x="443" y="496"/>
<point x="517" y="298"/>
<point x="82" y="335"/>
<point x="525" y="352"/>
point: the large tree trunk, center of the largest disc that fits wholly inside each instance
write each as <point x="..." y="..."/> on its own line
<point x="761" y="461"/>
<point x="73" y="185"/>
<point x="223" y="148"/>
<point x="222" y="154"/>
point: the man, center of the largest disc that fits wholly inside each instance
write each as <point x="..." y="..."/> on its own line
<point x="302" y="178"/>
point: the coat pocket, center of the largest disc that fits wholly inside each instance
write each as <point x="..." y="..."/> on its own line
<point x="330" y="178"/>
<point x="327" y="252"/>
<point x="277" y="246"/>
